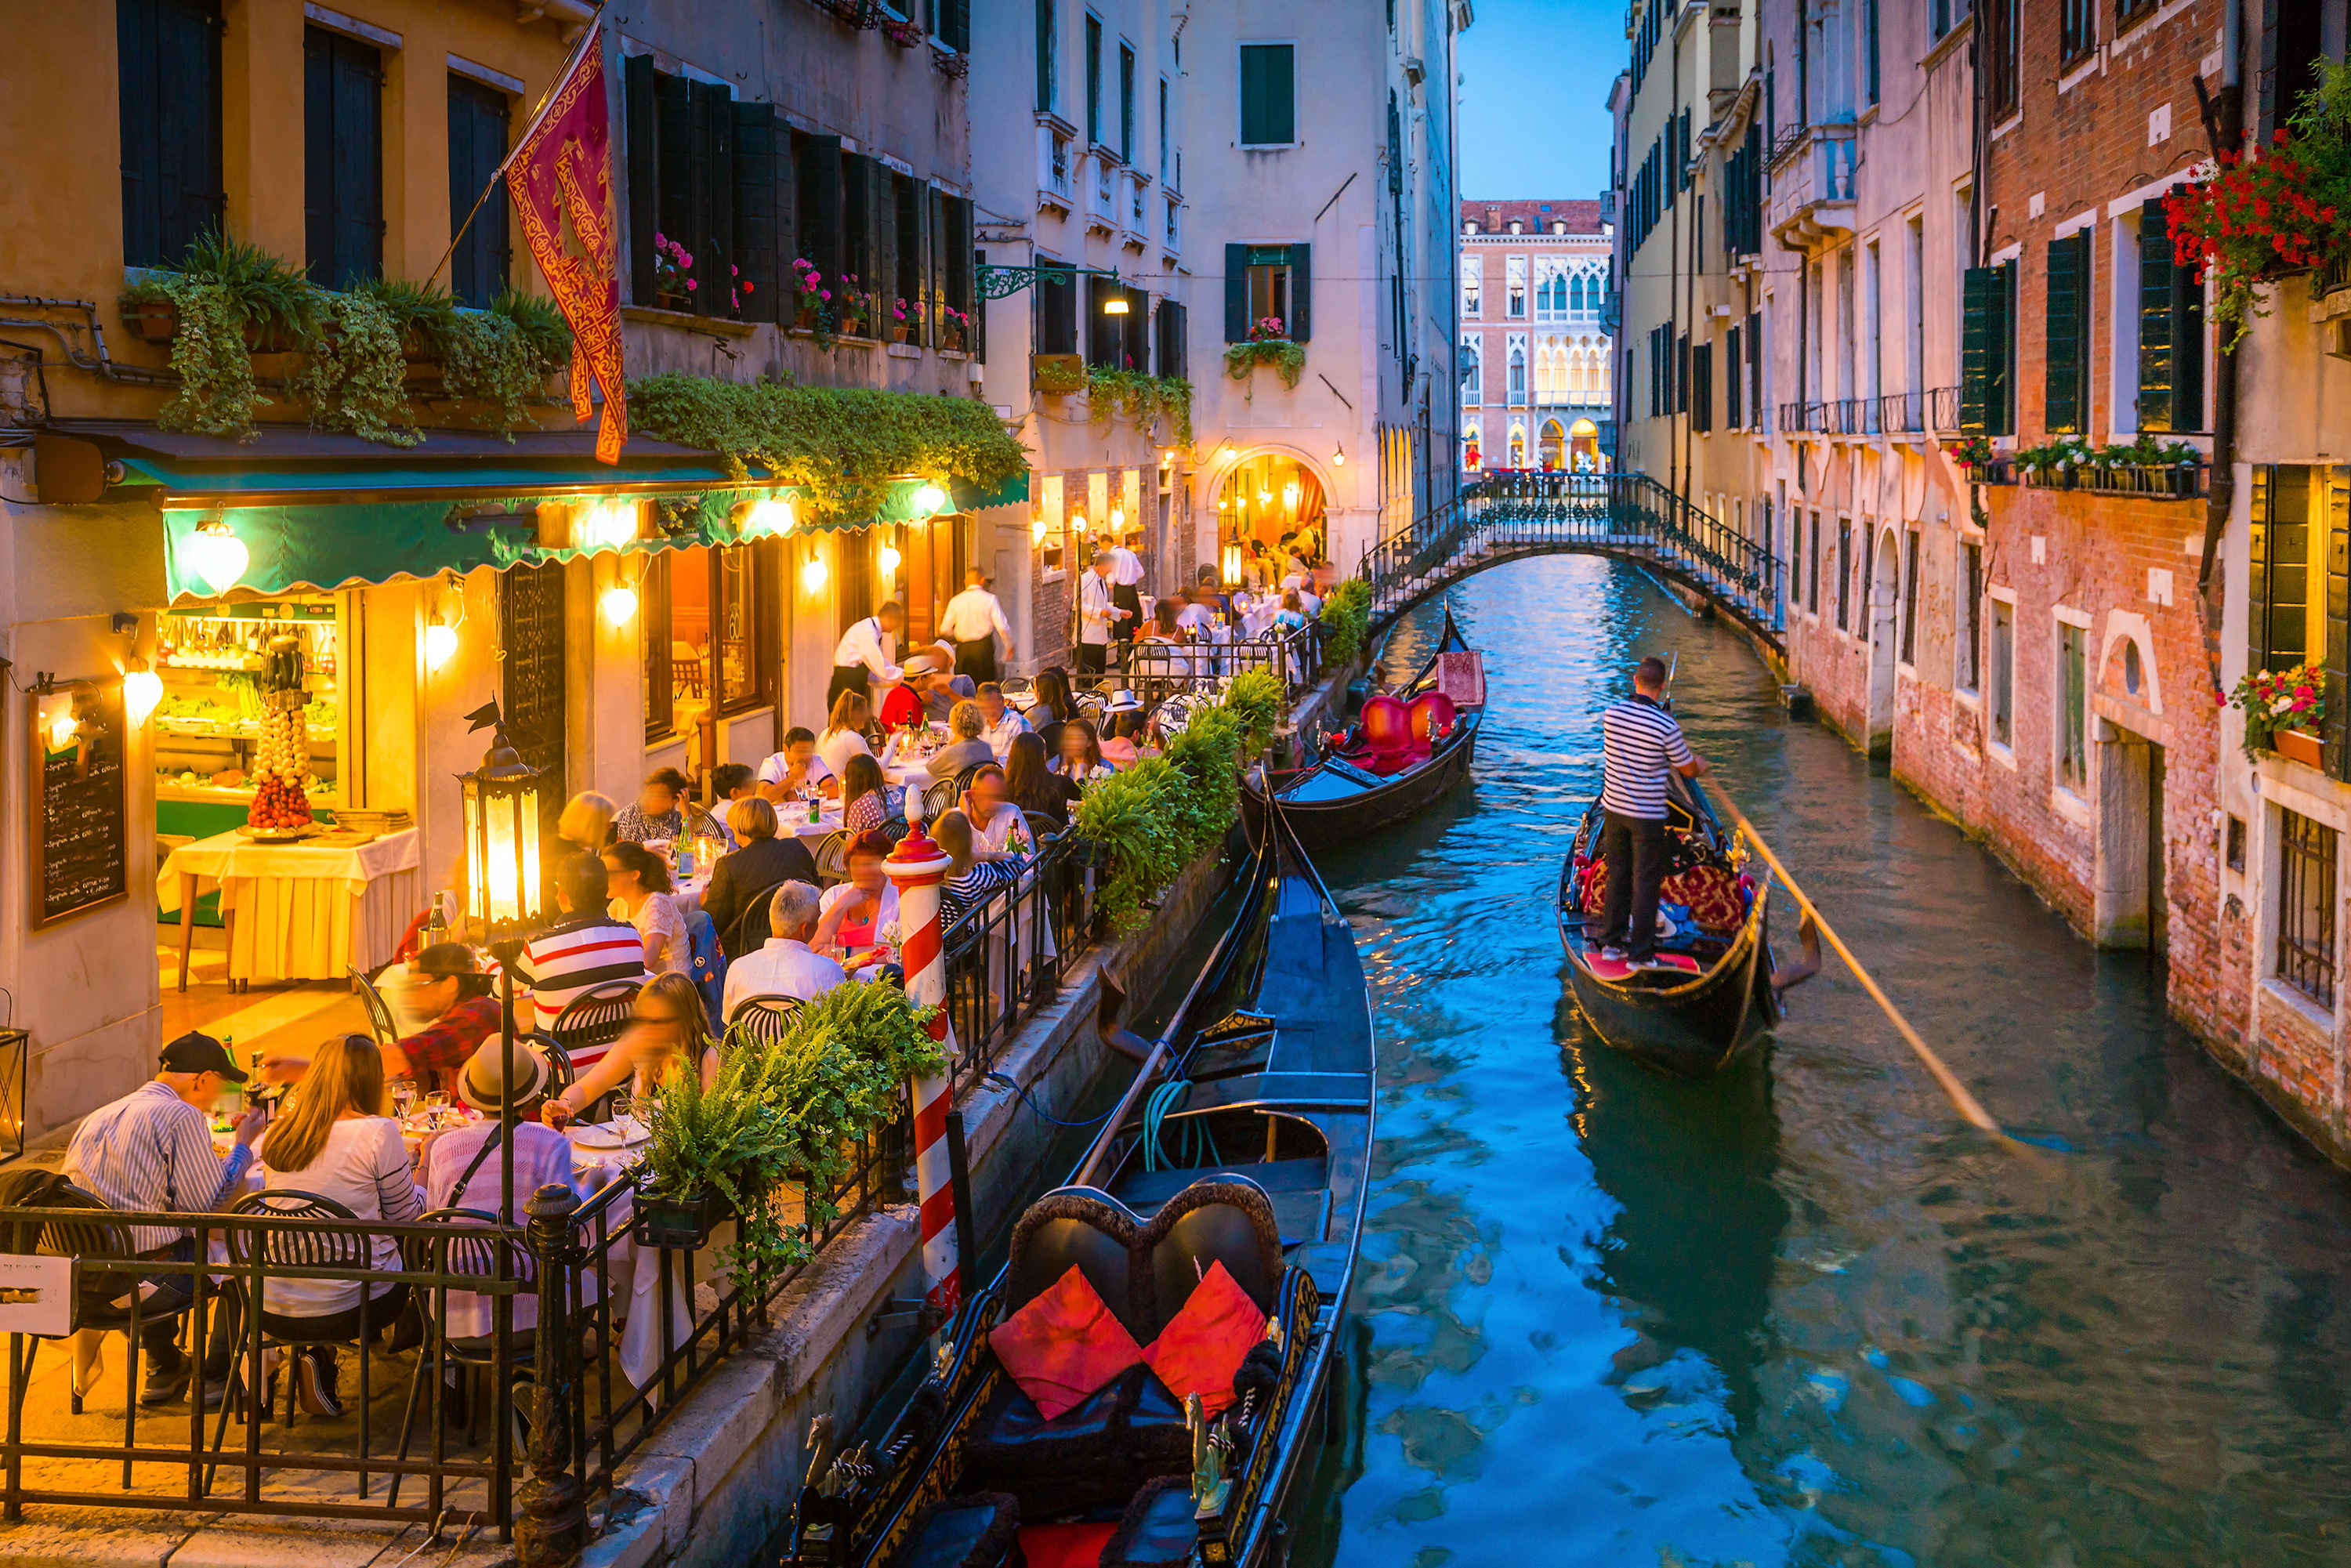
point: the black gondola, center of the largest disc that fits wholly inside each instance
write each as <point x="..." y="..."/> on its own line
<point x="1718" y="998"/>
<point x="1354" y="790"/>
<point x="1270" y="1055"/>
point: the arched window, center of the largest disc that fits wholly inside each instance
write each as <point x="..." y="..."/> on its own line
<point x="1472" y="383"/>
<point x="1575" y="370"/>
<point x="1518" y="447"/>
<point x="1518" y="372"/>
<point x="1472" y="457"/>
<point x="1601" y="367"/>
<point x="1575" y="292"/>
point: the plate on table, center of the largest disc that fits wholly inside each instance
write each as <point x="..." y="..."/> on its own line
<point x="280" y="835"/>
<point x="625" y="1133"/>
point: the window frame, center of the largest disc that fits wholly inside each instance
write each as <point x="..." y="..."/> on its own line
<point x="2069" y="740"/>
<point x="1967" y="641"/>
<point x="153" y="224"/>
<point x="2308" y="856"/>
<point x="1999" y="687"/>
<point x="1241" y="47"/>
<point x="1093" y="63"/>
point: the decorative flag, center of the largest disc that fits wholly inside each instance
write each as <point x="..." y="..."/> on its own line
<point x="561" y="176"/>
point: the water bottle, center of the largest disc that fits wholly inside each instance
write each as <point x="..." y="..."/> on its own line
<point x="815" y="805"/>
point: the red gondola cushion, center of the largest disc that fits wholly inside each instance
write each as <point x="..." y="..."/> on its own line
<point x="1063" y="1345"/>
<point x="1205" y="1342"/>
<point x="1432" y="719"/>
<point x="1065" y="1545"/>
<point x="1386" y="726"/>
<point x="1710" y="894"/>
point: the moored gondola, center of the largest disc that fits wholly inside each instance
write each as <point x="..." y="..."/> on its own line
<point x="1205" y="1244"/>
<point x="1715" y="998"/>
<point x="1406" y="749"/>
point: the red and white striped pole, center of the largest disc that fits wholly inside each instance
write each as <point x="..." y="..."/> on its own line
<point x="918" y="867"/>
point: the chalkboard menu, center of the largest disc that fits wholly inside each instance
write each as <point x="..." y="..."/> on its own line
<point x="78" y="858"/>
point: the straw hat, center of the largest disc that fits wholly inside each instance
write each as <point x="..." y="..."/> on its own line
<point x="1123" y="700"/>
<point x="484" y="1077"/>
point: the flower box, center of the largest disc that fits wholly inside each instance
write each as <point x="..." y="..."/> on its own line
<point x="1058" y="372"/>
<point x="951" y="337"/>
<point x="158" y="321"/>
<point x="2296" y="746"/>
<point x="681" y="1224"/>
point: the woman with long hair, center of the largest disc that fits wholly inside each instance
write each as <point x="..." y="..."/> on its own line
<point x="1056" y="704"/>
<point x="640" y="885"/>
<point x="667" y="1027"/>
<point x="986" y="805"/>
<point x="844" y="732"/>
<point x="868" y="799"/>
<point x="1033" y="784"/>
<point x="1080" y="760"/>
<point x="334" y="1143"/>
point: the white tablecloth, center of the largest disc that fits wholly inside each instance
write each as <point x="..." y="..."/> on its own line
<point x="304" y="911"/>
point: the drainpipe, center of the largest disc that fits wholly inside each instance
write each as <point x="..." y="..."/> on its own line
<point x="2227" y="131"/>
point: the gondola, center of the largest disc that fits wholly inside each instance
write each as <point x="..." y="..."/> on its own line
<point x="1406" y="749"/>
<point x="1717" y="998"/>
<point x="1242" y="1146"/>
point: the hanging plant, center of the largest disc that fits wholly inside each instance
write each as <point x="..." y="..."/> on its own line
<point x="1144" y="397"/>
<point x="1287" y="358"/>
<point x="1060" y="373"/>
<point x="489" y="357"/>
<point x="355" y="378"/>
<point x="225" y="300"/>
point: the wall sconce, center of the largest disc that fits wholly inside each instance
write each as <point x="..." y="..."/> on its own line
<point x="888" y="561"/>
<point x="219" y="556"/>
<point x="446" y="614"/>
<point x="812" y="574"/>
<point x="771" y="519"/>
<point x="1116" y="305"/>
<point x="1338" y="456"/>
<point x="1077" y="522"/>
<point x="607" y="525"/>
<point x="143" y="688"/>
<point x="930" y="500"/>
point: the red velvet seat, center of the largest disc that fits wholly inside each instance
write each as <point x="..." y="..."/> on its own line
<point x="1431" y="718"/>
<point x="1382" y="736"/>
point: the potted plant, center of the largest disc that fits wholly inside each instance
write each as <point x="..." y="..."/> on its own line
<point x="673" y="286"/>
<point x="1969" y="451"/>
<point x="2283" y="712"/>
<point x="1058" y="373"/>
<point x="853" y="310"/>
<point x="954" y="328"/>
<point x="902" y="317"/>
<point x="906" y="33"/>
<point x="810" y="296"/>
<point x="1267" y="344"/>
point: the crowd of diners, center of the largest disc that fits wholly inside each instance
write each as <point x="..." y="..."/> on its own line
<point x="939" y="712"/>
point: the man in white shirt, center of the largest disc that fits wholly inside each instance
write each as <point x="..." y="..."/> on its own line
<point x="783" y="966"/>
<point x="1004" y="723"/>
<point x="1098" y="613"/>
<point x="1195" y="617"/>
<point x="973" y="622"/>
<point x="866" y="653"/>
<point x="783" y="773"/>
<point x="1126" y="583"/>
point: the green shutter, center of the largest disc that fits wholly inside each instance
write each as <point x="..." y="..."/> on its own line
<point x="1999" y="394"/>
<point x="2187" y="350"/>
<point x="1268" y="95"/>
<point x="2333" y="729"/>
<point x="2067" y="351"/>
<point x="885" y="249"/>
<point x="1236" y="322"/>
<point x="717" y="253"/>
<point x="2156" y="282"/>
<point x="644" y="181"/>
<point x="818" y="210"/>
<point x="1301" y="292"/>
<point x="2257" y="569"/>
<point x="1979" y="321"/>
<point x="756" y="131"/>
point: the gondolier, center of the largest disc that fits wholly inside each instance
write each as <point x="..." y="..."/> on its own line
<point x="973" y="621"/>
<point x="1126" y="580"/>
<point x="866" y="652"/>
<point x="1642" y="745"/>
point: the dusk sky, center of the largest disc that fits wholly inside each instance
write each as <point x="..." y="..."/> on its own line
<point x="1534" y="97"/>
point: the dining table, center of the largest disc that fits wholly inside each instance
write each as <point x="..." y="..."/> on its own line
<point x="312" y="910"/>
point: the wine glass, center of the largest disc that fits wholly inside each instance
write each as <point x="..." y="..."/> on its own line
<point x="404" y="1096"/>
<point x="624" y="1105"/>
<point x="436" y="1106"/>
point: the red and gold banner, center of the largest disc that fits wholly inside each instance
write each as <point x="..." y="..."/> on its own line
<point x="561" y="176"/>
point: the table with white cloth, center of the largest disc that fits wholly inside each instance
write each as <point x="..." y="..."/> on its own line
<point x="688" y="895"/>
<point x="303" y="911"/>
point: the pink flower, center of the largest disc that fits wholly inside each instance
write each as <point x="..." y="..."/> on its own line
<point x="824" y="294"/>
<point x="732" y="271"/>
<point x="690" y="286"/>
<point x="658" y="240"/>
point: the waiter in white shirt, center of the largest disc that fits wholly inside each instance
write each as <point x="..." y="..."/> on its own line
<point x="1098" y="613"/>
<point x="1126" y="583"/>
<point x="866" y="652"/>
<point x="973" y="621"/>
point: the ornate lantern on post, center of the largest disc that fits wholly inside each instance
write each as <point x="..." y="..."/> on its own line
<point x="501" y="894"/>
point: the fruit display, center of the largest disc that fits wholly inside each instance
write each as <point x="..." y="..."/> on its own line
<point x="281" y="759"/>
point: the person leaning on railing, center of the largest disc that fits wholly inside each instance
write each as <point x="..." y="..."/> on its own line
<point x="151" y="1152"/>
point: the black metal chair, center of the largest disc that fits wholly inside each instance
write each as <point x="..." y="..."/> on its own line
<point x="832" y="858"/>
<point x="106" y="1301"/>
<point x="940" y="797"/>
<point x="380" y="1022"/>
<point x="1040" y="827"/>
<point x="767" y="1019"/>
<point x="464" y="1252"/>
<point x="752" y="927"/>
<point x="593" y="1020"/>
<point x="560" y="1075"/>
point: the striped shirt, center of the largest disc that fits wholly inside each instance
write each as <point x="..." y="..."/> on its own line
<point x="151" y="1152"/>
<point x="583" y="952"/>
<point x="963" y="892"/>
<point x="1643" y="744"/>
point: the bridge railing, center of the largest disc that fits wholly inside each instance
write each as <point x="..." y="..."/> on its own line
<point x="1622" y="513"/>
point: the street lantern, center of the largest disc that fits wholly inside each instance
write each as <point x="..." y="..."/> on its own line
<point x="1232" y="563"/>
<point x="501" y="840"/>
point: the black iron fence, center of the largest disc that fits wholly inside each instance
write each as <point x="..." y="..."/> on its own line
<point x="1006" y="954"/>
<point x="1157" y="671"/>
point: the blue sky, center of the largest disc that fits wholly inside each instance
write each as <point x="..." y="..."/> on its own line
<point x="1534" y="98"/>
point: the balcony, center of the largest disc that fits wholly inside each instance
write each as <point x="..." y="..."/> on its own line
<point x="1811" y="202"/>
<point x="1101" y="183"/>
<point x="1056" y="140"/>
<point x="1135" y="224"/>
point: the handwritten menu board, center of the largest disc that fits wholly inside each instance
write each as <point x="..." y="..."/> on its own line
<point x="79" y="859"/>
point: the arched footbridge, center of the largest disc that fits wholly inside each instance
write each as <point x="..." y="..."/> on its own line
<point x="1509" y="517"/>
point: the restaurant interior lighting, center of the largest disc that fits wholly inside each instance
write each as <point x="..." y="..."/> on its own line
<point x="1118" y="520"/>
<point x="619" y="605"/>
<point x="1077" y="522"/>
<point x="219" y="556"/>
<point x="930" y="499"/>
<point x="61" y="729"/>
<point x="143" y="688"/>
<point x="888" y="559"/>
<point x="1037" y="530"/>
<point x="812" y="573"/>
<point x="608" y="525"/>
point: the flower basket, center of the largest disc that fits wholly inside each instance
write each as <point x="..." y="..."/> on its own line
<point x="682" y="1224"/>
<point x="2282" y="711"/>
<point x="905" y="34"/>
<point x="2296" y="746"/>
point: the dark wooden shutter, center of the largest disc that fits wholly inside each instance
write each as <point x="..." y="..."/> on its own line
<point x="2068" y="320"/>
<point x="479" y="264"/>
<point x="168" y="55"/>
<point x="1301" y="292"/>
<point x="756" y="134"/>
<point x="1281" y="92"/>
<point x="886" y="291"/>
<point x="678" y="169"/>
<point x="1057" y="310"/>
<point x="342" y="172"/>
<point x="714" y="257"/>
<point x="1137" y="323"/>
<point x="1172" y="360"/>
<point x="2186" y="347"/>
<point x="935" y="204"/>
<point x="818" y="207"/>
<point x="954" y="24"/>
<point x="963" y="287"/>
<point x="857" y="221"/>
<point x="1983" y="347"/>
<point x="1236" y="322"/>
<point x="787" y="214"/>
<point x="1100" y="331"/>
<point x="1046" y="53"/>
<point x="2155" y="284"/>
<point x="644" y="171"/>
<point x="2337" y="693"/>
<point x="1730" y="379"/>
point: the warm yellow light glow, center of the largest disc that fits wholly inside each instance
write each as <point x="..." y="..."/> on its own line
<point x="1118" y="520"/>
<point x="1077" y="522"/>
<point x="1290" y="495"/>
<point x="1114" y="306"/>
<point x="219" y="557"/>
<point x="502" y="853"/>
<point x="812" y="574"/>
<point x="889" y="559"/>
<point x="930" y="498"/>
<point x="440" y="642"/>
<point x="1232" y="562"/>
<point x="1338" y="458"/>
<point x="772" y="517"/>
<point x="620" y="603"/>
<point x="1222" y="505"/>
<point x="608" y="525"/>
<point x="1037" y="530"/>
<point x="143" y="688"/>
<point x="61" y="730"/>
<point x="1265" y="497"/>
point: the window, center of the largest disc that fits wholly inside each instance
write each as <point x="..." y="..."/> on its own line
<point x="1473" y="281"/>
<point x="2077" y="29"/>
<point x="2001" y="77"/>
<point x="1057" y="308"/>
<point x="2293" y="41"/>
<point x="710" y="619"/>
<point x="477" y="145"/>
<point x="1173" y="358"/>
<point x="1125" y="103"/>
<point x="951" y="23"/>
<point x="1514" y="298"/>
<point x="2305" y="914"/>
<point x="2067" y="358"/>
<point x="1518" y="370"/>
<point x="1268" y="95"/>
<point x="1967" y="641"/>
<point x="2236" y="843"/>
<point x="706" y="170"/>
<point x="1869" y="46"/>
<point x="1755" y="369"/>
<point x="2073" y="708"/>
<point x="2171" y="331"/>
<point x="1845" y="574"/>
<point x="1681" y="375"/>
<point x="2297" y="520"/>
<point x="1702" y="388"/>
<point x="343" y="158"/>
<point x="168" y="55"/>
<point x="2004" y="672"/>
<point x="1988" y="357"/>
<point x="1472" y="447"/>
<point x="1163" y="134"/>
<point x="1472" y="383"/>
<point x="912" y="286"/>
<point x="1910" y="596"/>
<point x="1268" y="282"/>
<point x="1116" y="341"/>
<point x="1813" y="568"/>
<point x="1733" y="368"/>
<point x="1094" y="80"/>
<point x="1914" y="305"/>
<point x="1049" y="57"/>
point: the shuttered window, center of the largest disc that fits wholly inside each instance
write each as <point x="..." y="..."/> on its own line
<point x="2171" y="331"/>
<point x="1733" y="374"/>
<point x="2298" y="585"/>
<point x="914" y="282"/>
<point x="859" y="245"/>
<point x="1049" y="56"/>
<point x="2065" y="383"/>
<point x="169" y="56"/>
<point x="1268" y="95"/>
<point x="760" y="137"/>
<point x="1057" y="310"/>
<point x="1126" y="103"/>
<point x="1845" y="574"/>
<point x="1987" y="350"/>
<point x="2336" y="484"/>
<point x="342" y="152"/>
<point x="1172" y="358"/>
<point x="816" y="165"/>
<point x="1702" y="388"/>
<point x="478" y="118"/>
<point x="1910" y="596"/>
<point x="1105" y="333"/>
<point x="1268" y="281"/>
<point x="730" y="183"/>
<point x="1094" y="80"/>
<point x="951" y="23"/>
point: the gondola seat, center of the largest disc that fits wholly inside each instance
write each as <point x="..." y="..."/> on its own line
<point x="1712" y="893"/>
<point x="1226" y="1220"/>
<point x="1383" y="738"/>
<point x="1432" y="719"/>
<point x="972" y="1531"/>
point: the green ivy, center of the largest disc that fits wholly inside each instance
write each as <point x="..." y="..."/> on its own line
<point x="1151" y="821"/>
<point x="1145" y="397"/>
<point x="1346" y="614"/>
<point x="355" y="377"/>
<point x="845" y="445"/>
<point x="217" y="394"/>
<point x="1061" y="375"/>
<point x="1287" y="358"/>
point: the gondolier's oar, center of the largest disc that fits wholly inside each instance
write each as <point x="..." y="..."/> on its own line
<point x="1959" y="1097"/>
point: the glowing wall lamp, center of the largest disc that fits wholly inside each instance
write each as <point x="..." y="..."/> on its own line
<point x="772" y="517"/>
<point x="619" y="602"/>
<point x="1116" y="305"/>
<point x="888" y="561"/>
<point x="1077" y="522"/>
<point x="440" y="642"/>
<point x="219" y="557"/>
<point x="930" y="500"/>
<point x="1118" y="520"/>
<point x="1037" y="530"/>
<point x="441" y="632"/>
<point x="1232" y="562"/>
<point x="143" y="688"/>
<point x="812" y="574"/>
<point x="608" y="525"/>
<point x="1338" y="456"/>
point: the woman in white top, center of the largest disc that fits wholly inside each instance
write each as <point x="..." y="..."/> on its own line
<point x="667" y="1028"/>
<point x="332" y="1143"/>
<point x="844" y="733"/>
<point x="639" y="883"/>
<point x="988" y="806"/>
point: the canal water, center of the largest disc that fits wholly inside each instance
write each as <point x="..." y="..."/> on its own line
<point x="1801" y="1313"/>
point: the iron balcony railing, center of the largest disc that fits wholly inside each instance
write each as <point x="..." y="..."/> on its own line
<point x="1902" y="412"/>
<point x="1943" y="409"/>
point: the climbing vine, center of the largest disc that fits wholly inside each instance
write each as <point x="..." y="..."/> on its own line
<point x="1144" y="397"/>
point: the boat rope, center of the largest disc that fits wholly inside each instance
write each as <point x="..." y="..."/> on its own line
<point x="1966" y="1102"/>
<point x="1193" y="1138"/>
<point x="1043" y="1114"/>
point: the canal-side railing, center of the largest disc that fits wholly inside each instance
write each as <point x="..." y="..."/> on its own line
<point x="1630" y="515"/>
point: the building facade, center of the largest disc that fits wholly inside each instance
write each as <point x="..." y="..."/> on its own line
<point x="1537" y="359"/>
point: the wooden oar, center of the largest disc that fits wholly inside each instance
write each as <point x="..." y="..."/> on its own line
<point x="1959" y="1097"/>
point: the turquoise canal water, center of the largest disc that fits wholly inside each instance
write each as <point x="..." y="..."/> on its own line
<point x="1800" y="1313"/>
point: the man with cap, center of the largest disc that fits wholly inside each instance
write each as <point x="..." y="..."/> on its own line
<point x="447" y="986"/>
<point x="151" y="1150"/>
<point x="906" y="704"/>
